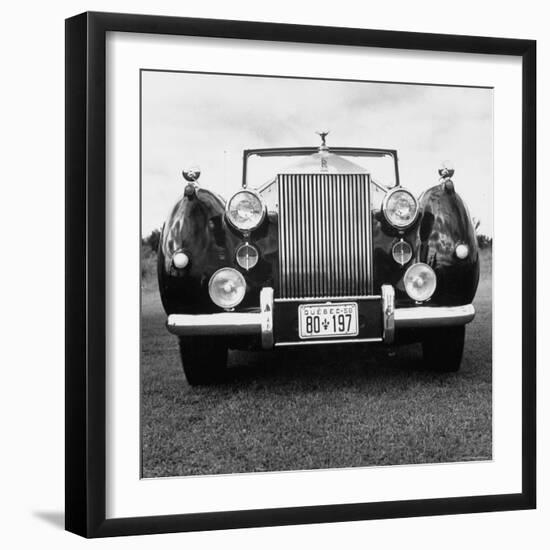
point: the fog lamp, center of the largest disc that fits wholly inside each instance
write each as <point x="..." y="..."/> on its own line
<point x="462" y="251"/>
<point x="420" y="282"/>
<point x="180" y="260"/>
<point x="401" y="252"/>
<point x="247" y="256"/>
<point x="227" y="287"/>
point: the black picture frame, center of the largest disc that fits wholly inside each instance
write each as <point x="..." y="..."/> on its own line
<point x="86" y="285"/>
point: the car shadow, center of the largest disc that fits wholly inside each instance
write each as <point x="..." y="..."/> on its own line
<point x="328" y="364"/>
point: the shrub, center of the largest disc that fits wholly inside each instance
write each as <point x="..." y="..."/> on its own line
<point x="148" y="265"/>
<point x="152" y="240"/>
<point x="483" y="241"/>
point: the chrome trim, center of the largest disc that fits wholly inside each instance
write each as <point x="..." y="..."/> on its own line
<point x="228" y="323"/>
<point x="433" y="316"/>
<point x="261" y="323"/>
<point x="213" y="324"/>
<point x="327" y="341"/>
<point x="191" y="173"/>
<point x="446" y="172"/>
<point x="326" y="299"/>
<point x="368" y="236"/>
<point x="388" y="314"/>
<point x="385" y="203"/>
<point x="266" y="312"/>
<point x="305" y="151"/>
<point x="323" y="135"/>
<point x="246" y="231"/>
<point x="325" y="235"/>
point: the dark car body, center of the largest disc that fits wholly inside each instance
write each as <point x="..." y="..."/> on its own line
<point x="325" y="248"/>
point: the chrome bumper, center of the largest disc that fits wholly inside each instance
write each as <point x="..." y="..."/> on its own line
<point x="425" y="317"/>
<point x="229" y="323"/>
<point x="261" y="323"/>
<point x="419" y="316"/>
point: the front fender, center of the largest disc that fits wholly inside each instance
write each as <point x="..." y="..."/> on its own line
<point x="195" y="226"/>
<point x="445" y="223"/>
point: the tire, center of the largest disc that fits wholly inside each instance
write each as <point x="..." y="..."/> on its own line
<point x="204" y="360"/>
<point x="442" y="349"/>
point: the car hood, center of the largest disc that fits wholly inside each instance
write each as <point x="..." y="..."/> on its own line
<point x="324" y="162"/>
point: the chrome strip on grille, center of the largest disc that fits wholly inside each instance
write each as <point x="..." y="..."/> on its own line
<point x="325" y="241"/>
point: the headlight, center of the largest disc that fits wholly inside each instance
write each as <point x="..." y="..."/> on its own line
<point x="400" y="208"/>
<point x="420" y="282"/>
<point x="227" y="287"/>
<point x="247" y="256"/>
<point x="245" y="210"/>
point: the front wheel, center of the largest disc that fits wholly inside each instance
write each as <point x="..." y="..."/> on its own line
<point x="443" y="347"/>
<point x="204" y="360"/>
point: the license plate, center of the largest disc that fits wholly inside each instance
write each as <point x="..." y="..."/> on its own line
<point x="327" y="320"/>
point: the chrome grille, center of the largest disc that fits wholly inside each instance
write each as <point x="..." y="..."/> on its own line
<point x="325" y="241"/>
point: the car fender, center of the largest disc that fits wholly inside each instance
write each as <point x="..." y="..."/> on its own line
<point x="444" y="224"/>
<point x="196" y="227"/>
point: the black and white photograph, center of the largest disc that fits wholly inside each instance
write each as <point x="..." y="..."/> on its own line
<point x="274" y="275"/>
<point x="316" y="273"/>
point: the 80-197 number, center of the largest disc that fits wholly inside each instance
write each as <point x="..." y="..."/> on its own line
<point x="328" y="320"/>
<point x="340" y="323"/>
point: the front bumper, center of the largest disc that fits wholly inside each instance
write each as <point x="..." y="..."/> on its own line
<point x="229" y="323"/>
<point x="261" y="323"/>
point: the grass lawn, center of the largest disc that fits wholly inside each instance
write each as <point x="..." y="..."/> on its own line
<point x="314" y="408"/>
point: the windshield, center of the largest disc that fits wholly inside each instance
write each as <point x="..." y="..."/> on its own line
<point x="262" y="167"/>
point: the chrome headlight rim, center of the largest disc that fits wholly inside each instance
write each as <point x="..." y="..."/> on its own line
<point x="241" y="279"/>
<point x="233" y="223"/>
<point x="385" y="201"/>
<point x="415" y="266"/>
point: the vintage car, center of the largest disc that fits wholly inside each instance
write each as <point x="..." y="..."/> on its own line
<point x="319" y="246"/>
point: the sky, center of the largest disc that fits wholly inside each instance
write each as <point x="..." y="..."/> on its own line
<point x="192" y="118"/>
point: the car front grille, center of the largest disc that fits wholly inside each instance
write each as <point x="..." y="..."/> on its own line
<point x="325" y="235"/>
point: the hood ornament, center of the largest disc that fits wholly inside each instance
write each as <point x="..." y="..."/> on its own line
<point x="323" y="134"/>
<point x="323" y="149"/>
